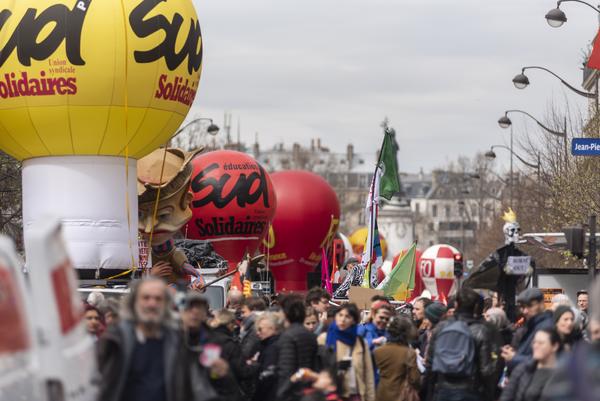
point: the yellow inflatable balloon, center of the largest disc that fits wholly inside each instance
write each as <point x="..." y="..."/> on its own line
<point x="94" y="77"/>
<point x="358" y="239"/>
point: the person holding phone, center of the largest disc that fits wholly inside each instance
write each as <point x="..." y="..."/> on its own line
<point x="355" y="371"/>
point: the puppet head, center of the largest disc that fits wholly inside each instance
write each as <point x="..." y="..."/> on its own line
<point x="169" y="183"/>
<point x="511" y="228"/>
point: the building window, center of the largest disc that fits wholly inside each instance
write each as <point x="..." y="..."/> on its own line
<point x="417" y="208"/>
<point x="352" y="181"/>
<point x="362" y="181"/>
<point x="447" y="211"/>
<point x="434" y="210"/>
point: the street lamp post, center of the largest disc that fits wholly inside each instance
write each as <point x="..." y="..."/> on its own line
<point x="461" y="210"/>
<point x="556" y="17"/>
<point x="521" y="81"/>
<point x="505" y="122"/>
<point x="212" y="128"/>
<point x="492" y="155"/>
<point x="462" y="205"/>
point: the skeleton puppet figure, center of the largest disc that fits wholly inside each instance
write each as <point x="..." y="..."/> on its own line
<point x="512" y="229"/>
<point x="164" y="208"/>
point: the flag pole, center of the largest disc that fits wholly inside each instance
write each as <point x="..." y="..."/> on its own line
<point x="373" y="216"/>
<point x="412" y="270"/>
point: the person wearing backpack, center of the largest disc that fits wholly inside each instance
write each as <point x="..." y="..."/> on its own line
<point x="460" y="363"/>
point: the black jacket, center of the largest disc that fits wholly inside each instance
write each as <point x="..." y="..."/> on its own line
<point x="248" y="338"/>
<point x="519" y="381"/>
<point x="231" y="350"/>
<point x="297" y="349"/>
<point x="266" y="370"/>
<point x="485" y="358"/>
<point x="227" y="387"/>
<point x="186" y="379"/>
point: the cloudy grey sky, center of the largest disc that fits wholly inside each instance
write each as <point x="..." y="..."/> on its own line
<point x="440" y="70"/>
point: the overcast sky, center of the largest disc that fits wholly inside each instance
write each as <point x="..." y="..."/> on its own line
<point x="440" y="70"/>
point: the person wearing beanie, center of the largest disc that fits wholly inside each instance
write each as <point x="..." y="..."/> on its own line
<point x="435" y="312"/>
<point x="564" y="323"/>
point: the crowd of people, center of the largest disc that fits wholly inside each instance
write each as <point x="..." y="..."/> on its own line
<point x="293" y="347"/>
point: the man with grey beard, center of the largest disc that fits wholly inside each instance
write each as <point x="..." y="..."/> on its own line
<point x="144" y="357"/>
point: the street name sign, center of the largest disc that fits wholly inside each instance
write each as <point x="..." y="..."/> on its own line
<point x="585" y="146"/>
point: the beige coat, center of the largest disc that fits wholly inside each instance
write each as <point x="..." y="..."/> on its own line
<point x="363" y="366"/>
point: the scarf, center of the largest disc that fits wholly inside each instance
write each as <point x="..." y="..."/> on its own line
<point x="334" y="334"/>
<point x="378" y="332"/>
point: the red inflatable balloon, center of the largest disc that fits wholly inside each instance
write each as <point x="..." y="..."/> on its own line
<point x="306" y="219"/>
<point x="233" y="203"/>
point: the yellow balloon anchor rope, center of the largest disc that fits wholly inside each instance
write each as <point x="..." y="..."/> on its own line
<point x="127" y="208"/>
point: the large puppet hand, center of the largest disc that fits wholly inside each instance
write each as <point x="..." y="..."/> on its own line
<point x="197" y="285"/>
<point x="161" y="269"/>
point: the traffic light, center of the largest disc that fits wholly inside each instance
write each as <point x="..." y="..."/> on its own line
<point x="458" y="265"/>
<point x="247" y="291"/>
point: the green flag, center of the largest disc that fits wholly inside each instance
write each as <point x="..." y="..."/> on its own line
<point x="389" y="183"/>
<point x="402" y="277"/>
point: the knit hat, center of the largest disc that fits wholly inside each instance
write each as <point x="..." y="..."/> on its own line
<point x="434" y="312"/>
<point x="561" y="310"/>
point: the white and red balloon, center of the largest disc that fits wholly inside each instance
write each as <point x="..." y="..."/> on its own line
<point x="436" y="269"/>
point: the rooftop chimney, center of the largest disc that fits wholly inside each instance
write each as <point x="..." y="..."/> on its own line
<point x="296" y="154"/>
<point x="350" y="155"/>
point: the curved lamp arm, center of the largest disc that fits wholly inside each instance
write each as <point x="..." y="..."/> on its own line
<point x="577" y="1"/>
<point x="197" y="120"/>
<point x="589" y="95"/>
<point x="525" y="162"/>
<point x="560" y="134"/>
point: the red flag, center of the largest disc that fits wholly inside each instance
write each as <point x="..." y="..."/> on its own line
<point x="443" y="299"/>
<point x="594" y="60"/>
<point x="325" y="279"/>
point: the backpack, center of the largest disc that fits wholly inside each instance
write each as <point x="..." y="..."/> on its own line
<point x="454" y="353"/>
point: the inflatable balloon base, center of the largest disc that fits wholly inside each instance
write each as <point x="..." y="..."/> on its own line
<point x="89" y="193"/>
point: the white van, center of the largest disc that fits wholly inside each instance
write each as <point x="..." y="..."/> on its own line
<point x="45" y="353"/>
